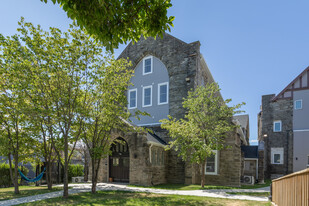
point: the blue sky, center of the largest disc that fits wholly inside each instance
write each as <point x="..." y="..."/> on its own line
<point x="252" y="48"/>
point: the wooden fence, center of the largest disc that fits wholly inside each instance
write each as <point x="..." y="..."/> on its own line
<point x="292" y="189"/>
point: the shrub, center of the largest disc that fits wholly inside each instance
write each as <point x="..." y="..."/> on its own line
<point x="5" y="179"/>
<point x="75" y="170"/>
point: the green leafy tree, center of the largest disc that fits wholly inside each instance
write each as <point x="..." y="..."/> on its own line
<point x="204" y="127"/>
<point x="116" y="22"/>
<point x="62" y="64"/>
<point x="107" y="110"/>
<point x="14" y="123"/>
<point x="50" y="75"/>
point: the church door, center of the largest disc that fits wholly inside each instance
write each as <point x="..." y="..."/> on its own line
<point x="119" y="161"/>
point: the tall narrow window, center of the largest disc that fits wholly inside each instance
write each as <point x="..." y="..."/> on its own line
<point x="147" y="96"/>
<point x="277" y="126"/>
<point x="163" y="93"/>
<point x="212" y="164"/>
<point x="147" y="65"/>
<point x="298" y="104"/>
<point x="132" y="98"/>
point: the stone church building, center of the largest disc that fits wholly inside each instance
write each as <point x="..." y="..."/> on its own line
<point x="165" y="70"/>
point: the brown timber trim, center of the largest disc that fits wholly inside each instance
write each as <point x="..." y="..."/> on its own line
<point x="287" y="87"/>
<point x="297" y="89"/>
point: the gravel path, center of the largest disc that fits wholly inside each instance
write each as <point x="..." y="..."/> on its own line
<point x="77" y="188"/>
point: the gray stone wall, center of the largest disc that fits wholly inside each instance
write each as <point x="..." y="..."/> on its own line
<point x="229" y="168"/>
<point x="142" y="172"/>
<point x="181" y="61"/>
<point x="261" y="166"/>
<point x="270" y="111"/>
<point x="186" y="70"/>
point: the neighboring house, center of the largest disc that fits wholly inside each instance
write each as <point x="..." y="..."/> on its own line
<point x="251" y="155"/>
<point x="283" y="126"/>
<point x="165" y="70"/>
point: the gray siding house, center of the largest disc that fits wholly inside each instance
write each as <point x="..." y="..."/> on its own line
<point x="165" y="69"/>
<point x="284" y="128"/>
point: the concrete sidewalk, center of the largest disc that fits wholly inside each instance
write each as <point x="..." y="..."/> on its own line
<point x="77" y="188"/>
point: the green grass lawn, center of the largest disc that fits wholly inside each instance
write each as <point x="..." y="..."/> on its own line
<point x="198" y="187"/>
<point x="132" y="198"/>
<point x="256" y="194"/>
<point x="8" y="193"/>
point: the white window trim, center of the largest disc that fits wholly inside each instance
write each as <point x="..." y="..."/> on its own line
<point x="301" y="104"/>
<point x="308" y="161"/>
<point x="215" y="152"/>
<point x="273" y="152"/>
<point x="129" y="95"/>
<point x="161" y="84"/>
<point x="146" y="87"/>
<point x="149" y="57"/>
<point x="277" y="121"/>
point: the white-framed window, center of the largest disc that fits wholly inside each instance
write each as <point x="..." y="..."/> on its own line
<point x="277" y="155"/>
<point x="147" y="96"/>
<point x="163" y="93"/>
<point x="147" y="65"/>
<point x="308" y="162"/>
<point x="132" y="98"/>
<point x="277" y="126"/>
<point x="298" y="104"/>
<point x="212" y="164"/>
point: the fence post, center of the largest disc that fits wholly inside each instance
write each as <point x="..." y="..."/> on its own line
<point x="271" y="192"/>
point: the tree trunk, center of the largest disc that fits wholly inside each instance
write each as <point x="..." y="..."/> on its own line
<point x="11" y="169"/>
<point x="16" y="188"/>
<point x="94" y="176"/>
<point x="65" y="177"/>
<point x="48" y="175"/>
<point x="94" y="185"/>
<point x="203" y="174"/>
<point x="86" y="166"/>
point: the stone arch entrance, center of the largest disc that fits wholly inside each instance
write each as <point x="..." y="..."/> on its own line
<point x="119" y="161"/>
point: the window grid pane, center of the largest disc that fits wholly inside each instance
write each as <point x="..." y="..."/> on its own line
<point x="147" y="66"/>
<point x="277" y="158"/>
<point x="133" y="99"/>
<point x="147" y="96"/>
<point x="210" y="164"/>
<point x="163" y="93"/>
<point x="298" y="104"/>
<point x="277" y="126"/>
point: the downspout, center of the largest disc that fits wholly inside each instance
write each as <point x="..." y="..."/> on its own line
<point x="257" y="169"/>
<point x="287" y="151"/>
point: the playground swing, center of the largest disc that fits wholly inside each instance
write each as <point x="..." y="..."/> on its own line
<point x="39" y="177"/>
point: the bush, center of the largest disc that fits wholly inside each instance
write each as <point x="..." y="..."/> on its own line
<point x="5" y="179"/>
<point x="75" y="170"/>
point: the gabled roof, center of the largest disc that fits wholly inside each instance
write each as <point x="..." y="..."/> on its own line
<point x="301" y="82"/>
<point x="157" y="47"/>
<point x="243" y="120"/>
<point x="152" y="138"/>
